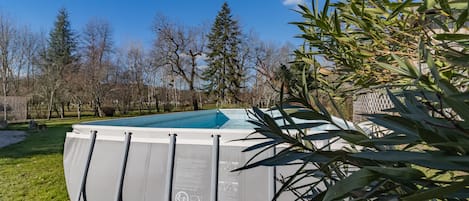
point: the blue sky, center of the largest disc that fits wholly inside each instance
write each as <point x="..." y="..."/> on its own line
<point x="131" y="20"/>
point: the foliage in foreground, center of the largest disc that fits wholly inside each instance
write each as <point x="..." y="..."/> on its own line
<point x="420" y="149"/>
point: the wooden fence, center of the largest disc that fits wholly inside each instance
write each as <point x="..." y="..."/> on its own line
<point x="17" y="108"/>
<point x="370" y="102"/>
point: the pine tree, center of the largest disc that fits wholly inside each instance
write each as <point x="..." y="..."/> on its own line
<point x="224" y="74"/>
<point x="59" y="58"/>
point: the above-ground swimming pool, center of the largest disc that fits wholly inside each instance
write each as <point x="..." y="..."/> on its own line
<point x="186" y="156"/>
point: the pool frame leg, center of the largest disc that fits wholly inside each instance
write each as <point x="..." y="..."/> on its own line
<point x="82" y="190"/>
<point x="273" y="178"/>
<point x="215" y="168"/>
<point x="170" y="167"/>
<point x="120" y="185"/>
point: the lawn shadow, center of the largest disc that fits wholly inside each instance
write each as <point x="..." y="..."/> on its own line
<point x="49" y="141"/>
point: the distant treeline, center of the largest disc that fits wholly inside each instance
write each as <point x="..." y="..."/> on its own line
<point x="191" y="66"/>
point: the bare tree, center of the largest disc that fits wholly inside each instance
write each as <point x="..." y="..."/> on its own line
<point x="7" y="51"/>
<point x="28" y="48"/>
<point x="136" y="65"/>
<point x="182" y="47"/>
<point x="97" y="60"/>
<point x="268" y="60"/>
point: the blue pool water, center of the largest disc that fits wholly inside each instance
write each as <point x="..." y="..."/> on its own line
<point x="198" y="119"/>
<point x="208" y="119"/>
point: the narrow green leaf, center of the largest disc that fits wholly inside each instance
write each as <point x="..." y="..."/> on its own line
<point x="461" y="108"/>
<point x="258" y="146"/>
<point x="303" y="125"/>
<point x="429" y="3"/>
<point x="395" y="69"/>
<point x="352" y="136"/>
<point x="402" y="173"/>
<point x="452" y="36"/>
<point x="401" y="108"/>
<point x="392" y="155"/>
<point x="438" y="192"/>
<point x="463" y="96"/>
<point x="321" y="136"/>
<point x="461" y="20"/>
<point x="308" y="115"/>
<point x="407" y="66"/>
<point x="446" y="7"/>
<point x="395" y="123"/>
<point x="338" y="29"/>
<point x="325" y="10"/>
<point x="399" y="9"/>
<point x="356" y="180"/>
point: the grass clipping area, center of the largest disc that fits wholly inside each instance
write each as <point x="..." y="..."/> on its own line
<point x="33" y="169"/>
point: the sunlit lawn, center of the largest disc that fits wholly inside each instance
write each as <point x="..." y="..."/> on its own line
<point x="32" y="169"/>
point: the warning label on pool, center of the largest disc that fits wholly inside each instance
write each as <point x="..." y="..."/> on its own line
<point x="192" y="174"/>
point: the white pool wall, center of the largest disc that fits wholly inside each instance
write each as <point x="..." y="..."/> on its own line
<point x="146" y="170"/>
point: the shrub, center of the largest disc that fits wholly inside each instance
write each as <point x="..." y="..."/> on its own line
<point x="424" y="152"/>
<point x="108" y="111"/>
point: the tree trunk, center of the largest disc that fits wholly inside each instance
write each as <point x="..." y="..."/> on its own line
<point x="4" y="99"/>
<point x="79" y="110"/>
<point x="195" y="102"/>
<point x="140" y="106"/>
<point x="157" y="104"/>
<point x="56" y="110"/>
<point x="98" y="108"/>
<point x="62" y="110"/>
<point x="49" y="108"/>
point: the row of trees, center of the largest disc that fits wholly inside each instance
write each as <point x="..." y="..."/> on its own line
<point x="186" y="65"/>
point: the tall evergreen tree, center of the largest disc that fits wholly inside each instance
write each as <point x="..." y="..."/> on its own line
<point x="224" y="74"/>
<point x="58" y="59"/>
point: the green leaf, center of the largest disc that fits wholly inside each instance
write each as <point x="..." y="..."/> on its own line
<point x="321" y="136"/>
<point x="438" y="192"/>
<point x="356" y="180"/>
<point x="282" y="158"/>
<point x="399" y="9"/>
<point x="325" y="10"/>
<point x="338" y="29"/>
<point x="395" y="69"/>
<point x="401" y="108"/>
<point x="452" y="36"/>
<point x="308" y="115"/>
<point x="458" y="5"/>
<point x="446" y="7"/>
<point x="463" y="96"/>
<point x="403" y="173"/>
<point x="393" y="139"/>
<point x="392" y="155"/>
<point x="352" y="136"/>
<point x="461" y="20"/>
<point x="396" y="124"/>
<point x="461" y="108"/>
<point x="422" y="159"/>
<point x="260" y="145"/>
<point x="303" y="125"/>
<point x="429" y="3"/>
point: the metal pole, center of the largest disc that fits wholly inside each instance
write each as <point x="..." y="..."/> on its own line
<point x="120" y="185"/>
<point x="87" y="167"/>
<point x="170" y="168"/>
<point x="215" y="167"/>
<point x="273" y="178"/>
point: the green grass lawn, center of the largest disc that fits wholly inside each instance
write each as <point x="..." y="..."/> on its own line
<point x="33" y="169"/>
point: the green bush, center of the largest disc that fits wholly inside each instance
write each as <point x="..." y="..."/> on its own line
<point x="108" y="111"/>
<point x="421" y="150"/>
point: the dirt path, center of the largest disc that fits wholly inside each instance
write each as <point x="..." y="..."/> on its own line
<point x="11" y="137"/>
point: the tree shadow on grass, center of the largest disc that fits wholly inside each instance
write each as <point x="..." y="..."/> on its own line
<point x="49" y="141"/>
